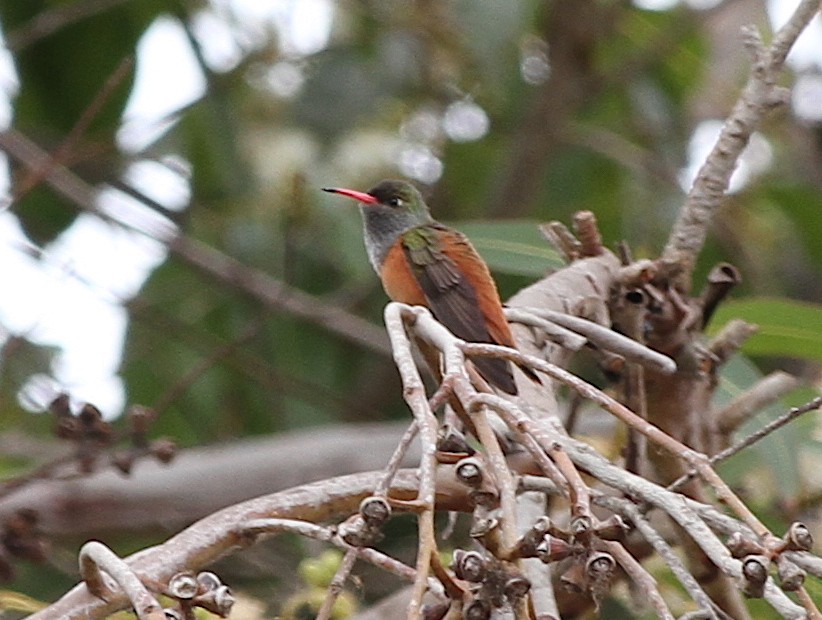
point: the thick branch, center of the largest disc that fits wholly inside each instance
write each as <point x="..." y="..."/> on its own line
<point x="202" y="480"/>
<point x="217" y="535"/>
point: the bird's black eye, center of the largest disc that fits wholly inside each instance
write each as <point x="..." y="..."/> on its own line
<point x="395" y="202"/>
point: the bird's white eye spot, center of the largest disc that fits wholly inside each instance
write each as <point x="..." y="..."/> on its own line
<point x="394" y="202"/>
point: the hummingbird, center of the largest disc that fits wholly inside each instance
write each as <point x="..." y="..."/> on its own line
<point x="424" y="263"/>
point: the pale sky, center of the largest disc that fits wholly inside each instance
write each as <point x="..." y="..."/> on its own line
<point x="70" y="295"/>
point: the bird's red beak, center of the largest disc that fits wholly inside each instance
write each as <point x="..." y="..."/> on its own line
<point x="351" y="193"/>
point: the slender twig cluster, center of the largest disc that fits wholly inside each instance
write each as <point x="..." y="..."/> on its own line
<point x="589" y="562"/>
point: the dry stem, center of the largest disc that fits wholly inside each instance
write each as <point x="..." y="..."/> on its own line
<point x="643" y="579"/>
<point x="96" y="559"/>
<point x="414" y="393"/>
<point x="337" y="584"/>
<point x="760" y="96"/>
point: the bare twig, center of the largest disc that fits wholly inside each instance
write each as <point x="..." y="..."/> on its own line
<point x="632" y="513"/>
<point x="730" y="339"/>
<point x="448" y="342"/>
<point x="414" y="393"/>
<point x="653" y="433"/>
<point x="590" y="239"/>
<point x="664" y="550"/>
<point x="502" y="476"/>
<point x="555" y="333"/>
<point x="639" y="487"/>
<point x="547" y="466"/>
<point x="200" y="368"/>
<point x="607" y="338"/>
<point x="61" y="154"/>
<point x="633" y="485"/>
<point x="434" y="332"/>
<point x="632" y="316"/>
<point x="578" y="491"/>
<point x="50" y="21"/>
<point x="765" y="391"/>
<point x="751" y="439"/>
<point x="454" y="360"/>
<point x="760" y="95"/>
<point x="806" y="561"/>
<point x="496" y="459"/>
<point x="562" y="240"/>
<point x="256" y="527"/>
<point x="96" y="559"/>
<point x="643" y="579"/>
<point x="337" y="584"/>
<point x="809" y="604"/>
<point x="396" y="459"/>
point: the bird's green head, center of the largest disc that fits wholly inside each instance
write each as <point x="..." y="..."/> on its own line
<point x="392" y="199"/>
<point x="389" y="210"/>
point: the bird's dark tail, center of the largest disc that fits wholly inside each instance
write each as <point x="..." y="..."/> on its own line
<point x="530" y="373"/>
<point x="498" y="373"/>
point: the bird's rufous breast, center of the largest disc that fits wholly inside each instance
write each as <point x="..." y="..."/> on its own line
<point x="398" y="280"/>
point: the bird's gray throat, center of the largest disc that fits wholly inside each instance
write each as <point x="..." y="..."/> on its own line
<point x="382" y="226"/>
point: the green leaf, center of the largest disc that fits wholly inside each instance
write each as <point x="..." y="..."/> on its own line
<point x="786" y="327"/>
<point x="802" y="204"/>
<point x="778" y="452"/>
<point x="512" y="246"/>
<point x="16" y="601"/>
<point x="62" y="75"/>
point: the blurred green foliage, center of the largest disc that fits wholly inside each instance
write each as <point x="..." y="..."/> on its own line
<point x="786" y="328"/>
<point x="60" y="75"/>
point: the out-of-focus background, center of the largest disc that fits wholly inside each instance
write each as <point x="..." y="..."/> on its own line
<point x="235" y="113"/>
